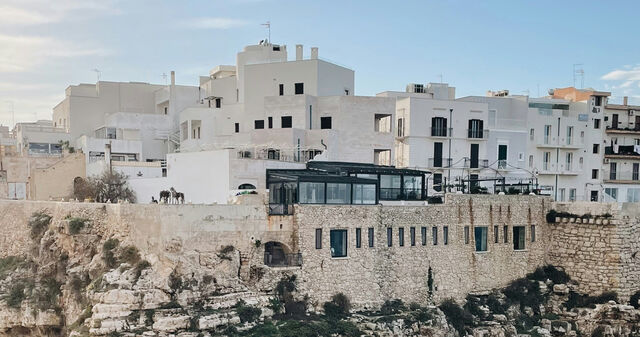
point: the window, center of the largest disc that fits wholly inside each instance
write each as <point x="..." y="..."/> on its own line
<point x="423" y="234"/>
<point x="338" y="193"/>
<point x="286" y="122"/>
<point x="505" y="234"/>
<point x="572" y="194"/>
<point x="547" y="134"/>
<point x="310" y="117"/>
<point x="445" y="235"/>
<point x="532" y="134"/>
<point x="533" y="233"/>
<point x="596" y="123"/>
<point x="358" y="237"/>
<point x="370" y="234"/>
<point x="434" y="234"/>
<point x="546" y="158"/>
<point x="439" y="127"/>
<point x="635" y="173"/>
<point x="612" y="194"/>
<point x="364" y="194"/>
<point x="318" y="238"/>
<point x="218" y="103"/>
<point x="383" y="123"/>
<point x="596" y="148"/>
<point x="613" y="170"/>
<point x="598" y="100"/>
<point x="495" y="234"/>
<point x="569" y="135"/>
<point x="466" y="235"/>
<point x="594" y="174"/>
<point x="401" y="236"/>
<point x="530" y="160"/>
<point x="518" y="237"/>
<point x="270" y="119"/>
<point x="389" y="237"/>
<point x="569" y="161"/>
<point x="166" y="110"/>
<point x="437" y="182"/>
<point x="281" y="89"/>
<point x="562" y="194"/>
<point x="311" y="193"/>
<point x="346" y="92"/>
<point x="475" y="128"/>
<point x="325" y="122"/>
<point x="237" y="127"/>
<point x="480" y="235"/>
<point x="400" y="127"/>
<point x="259" y="124"/>
<point x="299" y="88"/>
<point x="412" y="235"/>
<point x="338" y="242"/>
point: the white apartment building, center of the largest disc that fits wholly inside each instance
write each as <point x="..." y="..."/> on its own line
<point x="621" y="165"/>
<point x="40" y="138"/>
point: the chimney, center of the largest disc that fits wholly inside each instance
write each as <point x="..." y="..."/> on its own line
<point x="298" y="52"/>
<point x="173" y="77"/>
<point x="625" y="100"/>
<point x="314" y="53"/>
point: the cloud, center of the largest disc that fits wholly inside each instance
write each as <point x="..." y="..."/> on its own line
<point x="630" y="74"/>
<point x="215" y="23"/>
<point x="25" y="53"/>
<point x="37" y="12"/>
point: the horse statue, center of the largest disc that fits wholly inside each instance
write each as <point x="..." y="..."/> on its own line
<point x="164" y="196"/>
<point x="177" y="197"/>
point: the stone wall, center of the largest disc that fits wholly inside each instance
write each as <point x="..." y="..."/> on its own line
<point x="369" y="276"/>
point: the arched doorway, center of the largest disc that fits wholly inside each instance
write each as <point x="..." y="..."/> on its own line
<point x="277" y="254"/>
<point x="246" y="187"/>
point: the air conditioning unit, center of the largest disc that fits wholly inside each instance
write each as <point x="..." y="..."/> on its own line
<point x="606" y="160"/>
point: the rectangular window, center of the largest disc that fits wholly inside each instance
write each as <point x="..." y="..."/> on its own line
<point x="480" y="235"/>
<point x="445" y="235"/>
<point x="338" y="193"/>
<point x="466" y="235"/>
<point x="281" y="89"/>
<point x="439" y="127"/>
<point x="237" y="127"/>
<point x="594" y="174"/>
<point x="533" y="233"/>
<point x="572" y="194"/>
<point x="325" y="122"/>
<point x="546" y="158"/>
<point x="370" y="233"/>
<point x="434" y="234"/>
<point x="401" y="237"/>
<point x="286" y="122"/>
<point x="400" y="127"/>
<point x="562" y="193"/>
<point x="597" y="100"/>
<point x="310" y="117"/>
<point x="596" y="123"/>
<point x="518" y="237"/>
<point x="412" y="235"/>
<point x="358" y="237"/>
<point x="338" y="242"/>
<point x="505" y="234"/>
<point x="270" y="122"/>
<point x="311" y="193"/>
<point x="495" y="234"/>
<point x="437" y="182"/>
<point x="547" y="134"/>
<point x="613" y="171"/>
<point x="318" y="238"/>
<point x="299" y="88"/>
<point x="218" y="103"/>
<point x="389" y="237"/>
<point x="569" y="135"/>
<point x="635" y="173"/>
<point x="258" y="124"/>
<point x="596" y="148"/>
<point x="423" y="234"/>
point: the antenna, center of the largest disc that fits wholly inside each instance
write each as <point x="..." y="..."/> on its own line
<point x="164" y="77"/>
<point x="98" y="72"/>
<point x="440" y="78"/>
<point x="268" y="25"/>
<point x="578" y="71"/>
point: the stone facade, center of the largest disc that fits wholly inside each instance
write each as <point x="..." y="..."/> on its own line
<point x="371" y="275"/>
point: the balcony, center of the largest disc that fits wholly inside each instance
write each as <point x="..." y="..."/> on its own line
<point x="481" y="164"/>
<point x="441" y="132"/>
<point x="561" y="169"/>
<point x="618" y="130"/>
<point x="556" y="142"/>
<point x="439" y="162"/>
<point x="622" y="152"/>
<point x="621" y="177"/>
<point x="478" y="134"/>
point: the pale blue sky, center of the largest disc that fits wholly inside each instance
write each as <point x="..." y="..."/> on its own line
<point x="523" y="46"/>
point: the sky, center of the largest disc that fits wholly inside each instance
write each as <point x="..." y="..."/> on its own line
<point x="526" y="47"/>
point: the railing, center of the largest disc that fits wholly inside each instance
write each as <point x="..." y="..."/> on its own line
<point x="634" y="129"/>
<point x="401" y="194"/>
<point x="482" y="163"/>
<point x="439" y="162"/>
<point x="626" y="176"/>
<point x="502" y="164"/>
<point x="441" y="132"/>
<point x="280" y="209"/>
<point x="294" y="156"/>
<point x="478" y="133"/>
<point x="621" y="150"/>
<point x="283" y="260"/>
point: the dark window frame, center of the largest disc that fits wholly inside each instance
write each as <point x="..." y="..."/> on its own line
<point x="281" y="89"/>
<point x="345" y="233"/>
<point x="434" y="234"/>
<point x="318" y="238"/>
<point x="423" y="234"/>
<point x="445" y="235"/>
<point x="237" y="127"/>
<point x="325" y="123"/>
<point x="412" y="236"/>
<point x="389" y="237"/>
<point x="401" y="236"/>
<point x="286" y="122"/>
<point x="299" y="88"/>
<point x="258" y="124"/>
<point x="370" y="237"/>
<point x="358" y="237"/>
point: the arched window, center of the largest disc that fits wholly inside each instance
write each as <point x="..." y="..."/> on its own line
<point x="246" y="187"/>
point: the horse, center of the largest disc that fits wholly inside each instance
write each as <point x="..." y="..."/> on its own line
<point x="164" y="196"/>
<point x="176" y="196"/>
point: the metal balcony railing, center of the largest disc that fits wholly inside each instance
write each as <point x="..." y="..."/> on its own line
<point x="441" y="132"/>
<point x="626" y="176"/>
<point x="478" y="133"/>
<point x="480" y="163"/>
<point x="439" y="162"/>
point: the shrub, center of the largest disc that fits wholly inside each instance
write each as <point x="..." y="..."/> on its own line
<point x="473" y="306"/>
<point x="525" y="292"/>
<point x="287" y="284"/>
<point x="456" y="316"/>
<point x="107" y="252"/>
<point x="576" y="300"/>
<point x="247" y="314"/>
<point x="296" y="308"/>
<point x="634" y="299"/>
<point x="77" y="285"/>
<point x="275" y="305"/>
<point x="175" y="281"/>
<point x="110" y="186"/>
<point x="391" y="307"/>
<point x="598" y="332"/>
<point x="76" y="225"/>
<point x="495" y="305"/>
<point x="39" y="222"/>
<point x="15" y="296"/>
<point x="267" y="329"/>
<point x="550" y="272"/>
<point x="339" y="306"/>
<point x="47" y="294"/>
<point x="130" y="255"/>
<point x="9" y="264"/>
<point x="148" y="317"/>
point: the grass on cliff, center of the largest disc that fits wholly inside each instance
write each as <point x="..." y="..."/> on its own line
<point x="76" y="225"/>
<point x="10" y="264"/>
<point x="39" y="222"/>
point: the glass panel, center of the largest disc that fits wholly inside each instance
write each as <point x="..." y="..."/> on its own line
<point x="412" y="233"/>
<point x="434" y="235"/>
<point x="390" y="187"/>
<point x="364" y="194"/>
<point x="338" y="243"/>
<point x="358" y="237"/>
<point x="518" y="238"/>
<point x="338" y="193"/>
<point x="370" y="237"/>
<point x="318" y="238"/>
<point x="275" y="193"/>
<point x="389" y="237"/>
<point x="423" y="232"/>
<point x="413" y="187"/>
<point x="480" y="234"/>
<point x="401" y="236"/>
<point x="311" y="193"/>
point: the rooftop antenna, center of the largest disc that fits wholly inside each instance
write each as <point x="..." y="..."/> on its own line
<point x="578" y="71"/>
<point x="164" y="77"/>
<point x="98" y="72"/>
<point x="440" y="78"/>
<point x="268" y="25"/>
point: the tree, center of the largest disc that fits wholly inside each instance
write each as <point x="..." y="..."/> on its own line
<point x="108" y="186"/>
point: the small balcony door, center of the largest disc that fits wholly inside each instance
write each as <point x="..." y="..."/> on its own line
<point x="502" y="156"/>
<point x="437" y="154"/>
<point x="614" y="121"/>
<point x="475" y="149"/>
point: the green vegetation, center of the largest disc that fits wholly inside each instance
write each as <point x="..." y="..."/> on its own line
<point x="76" y="225"/>
<point x="580" y="301"/>
<point x="392" y="307"/>
<point x="39" y="222"/>
<point x="456" y="315"/>
<point x="108" y="254"/>
<point x="16" y="295"/>
<point x="549" y="272"/>
<point x="47" y="294"/>
<point x="130" y="255"/>
<point x="10" y="264"/>
<point x="225" y="251"/>
<point x="338" y="307"/>
<point x="247" y="313"/>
